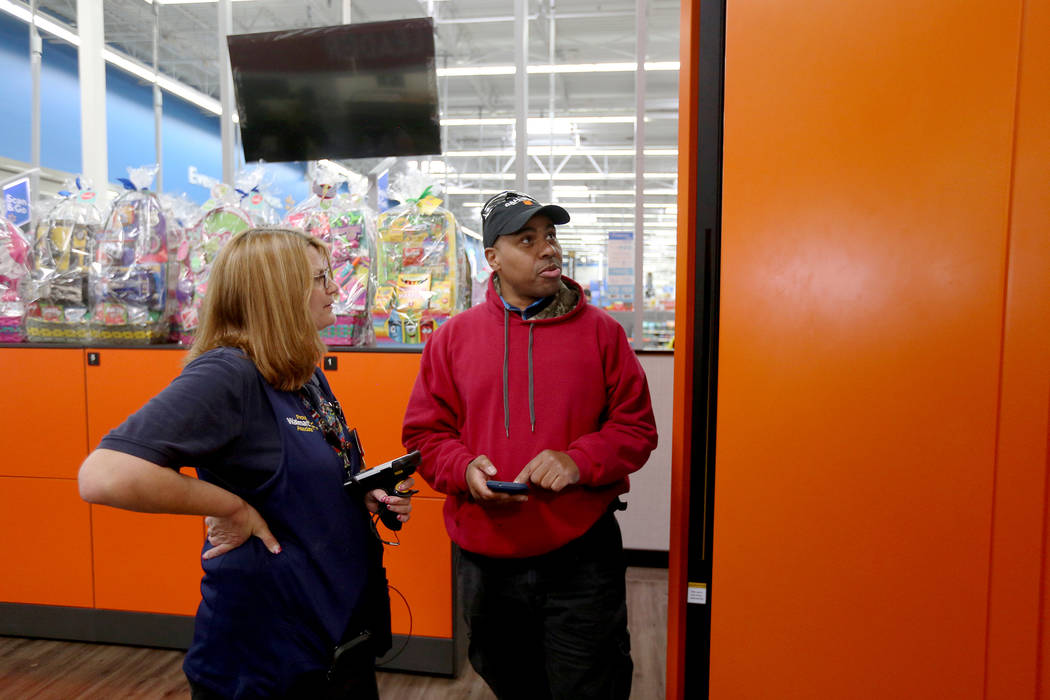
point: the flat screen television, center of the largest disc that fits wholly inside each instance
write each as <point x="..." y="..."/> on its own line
<point x="351" y="91"/>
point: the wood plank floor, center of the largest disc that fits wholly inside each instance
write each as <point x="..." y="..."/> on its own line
<point x="50" y="670"/>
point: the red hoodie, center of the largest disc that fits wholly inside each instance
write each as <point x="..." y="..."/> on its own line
<point x="588" y="398"/>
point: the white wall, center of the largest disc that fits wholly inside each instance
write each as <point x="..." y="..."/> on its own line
<point x="647" y="521"/>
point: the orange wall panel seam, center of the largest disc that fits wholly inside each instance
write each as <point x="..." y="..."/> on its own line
<point x="1016" y="650"/>
<point x="88" y="447"/>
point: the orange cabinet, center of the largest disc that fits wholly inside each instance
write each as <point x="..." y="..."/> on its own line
<point x="122" y="381"/>
<point x="146" y="562"/>
<point x="43" y="431"/>
<point x="61" y="402"/>
<point x="373" y="389"/>
<point x="46" y="546"/>
<point x="420" y="569"/>
<point x="143" y="562"/>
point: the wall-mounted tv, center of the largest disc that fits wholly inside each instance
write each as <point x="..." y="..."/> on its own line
<point x="351" y="91"/>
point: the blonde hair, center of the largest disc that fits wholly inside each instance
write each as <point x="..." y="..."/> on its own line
<point x="258" y="300"/>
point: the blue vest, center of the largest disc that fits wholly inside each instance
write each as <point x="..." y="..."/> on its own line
<point x="264" y="618"/>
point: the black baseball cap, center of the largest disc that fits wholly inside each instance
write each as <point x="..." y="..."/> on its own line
<point x="508" y="212"/>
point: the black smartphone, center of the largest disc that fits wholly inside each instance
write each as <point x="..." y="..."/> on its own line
<point x="507" y="487"/>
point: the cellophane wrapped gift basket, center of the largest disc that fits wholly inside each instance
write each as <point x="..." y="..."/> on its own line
<point x="219" y="219"/>
<point x="477" y="266"/>
<point x="14" y="272"/>
<point x="255" y="197"/>
<point x="62" y="248"/>
<point x="421" y="270"/>
<point x="346" y="225"/>
<point x="132" y="274"/>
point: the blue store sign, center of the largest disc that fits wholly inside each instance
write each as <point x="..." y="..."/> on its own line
<point x="16" y="202"/>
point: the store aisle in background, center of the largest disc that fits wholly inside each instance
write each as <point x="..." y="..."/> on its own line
<point x="50" y="670"/>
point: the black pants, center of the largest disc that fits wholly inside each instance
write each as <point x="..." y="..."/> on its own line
<point x="553" y="626"/>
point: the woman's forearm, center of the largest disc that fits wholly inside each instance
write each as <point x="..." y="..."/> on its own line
<point x="112" y="478"/>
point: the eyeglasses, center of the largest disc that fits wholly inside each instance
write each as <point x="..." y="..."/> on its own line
<point x="324" y="279"/>
<point x="502" y="198"/>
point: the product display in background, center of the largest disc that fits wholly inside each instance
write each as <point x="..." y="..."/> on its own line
<point x="422" y="272"/>
<point x="346" y="226"/>
<point x="478" y="266"/>
<point x="194" y="257"/>
<point x="56" y="291"/>
<point x="185" y="211"/>
<point x="214" y="223"/>
<point x="14" y="270"/>
<point x="132" y="274"/>
<point x="255" y="197"/>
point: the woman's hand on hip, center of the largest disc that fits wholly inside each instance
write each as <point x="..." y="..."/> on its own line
<point x="231" y="531"/>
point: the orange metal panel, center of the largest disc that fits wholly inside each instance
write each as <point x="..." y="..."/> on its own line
<point x="46" y="546"/>
<point x="44" y="429"/>
<point x="147" y="562"/>
<point x="1018" y="615"/>
<point x="373" y="389"/>
<point x="123" y="381"/>
<point x="866" y="175"/>
<point x="143" y="562"/>
<point x="150" y="562"/>
<point x="681" y="442"/>
<point x="421" y="568"/>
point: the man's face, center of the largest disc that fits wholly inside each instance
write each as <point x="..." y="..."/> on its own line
<point x="528" y="262"/>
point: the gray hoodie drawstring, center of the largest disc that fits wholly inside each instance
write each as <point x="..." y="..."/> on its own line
<point x="532" y="404"/>
<point x="506" y="356"/>
<point x="506" y="388"/>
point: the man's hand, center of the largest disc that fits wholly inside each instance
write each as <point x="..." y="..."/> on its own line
<point x="231" y="531"/>
<point x="478" y="472"/>
<point x="550" y="470"/>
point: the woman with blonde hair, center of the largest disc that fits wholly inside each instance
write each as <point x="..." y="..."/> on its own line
<point x="292" y="565"/>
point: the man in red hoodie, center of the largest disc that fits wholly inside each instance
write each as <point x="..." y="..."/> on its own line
<point x="536" y="387"/>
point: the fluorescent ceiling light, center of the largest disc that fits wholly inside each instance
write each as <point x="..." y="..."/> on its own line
<point x="561" y="177"/>
<point x="540" y="127"/>
<point x="558" y="191"/>
<point x="436" y="167"/>
<point x="603" y="67"/>
<point x="592" y="230"/>
<point x="475" y="71"/>
<point x="187" y="2"/>
<point x="617" y="205"/>
<point x="584" y="191"/>
<point x="182" y="90"/>
<point x="534" y="123"/>
<point x="560" y="151"/>
<point x="491" y="121"/>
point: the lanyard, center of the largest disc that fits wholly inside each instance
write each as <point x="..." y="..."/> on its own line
<point x="329" y="419"/>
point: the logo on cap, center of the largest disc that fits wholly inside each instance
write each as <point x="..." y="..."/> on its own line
<point x="513" y="201"/>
